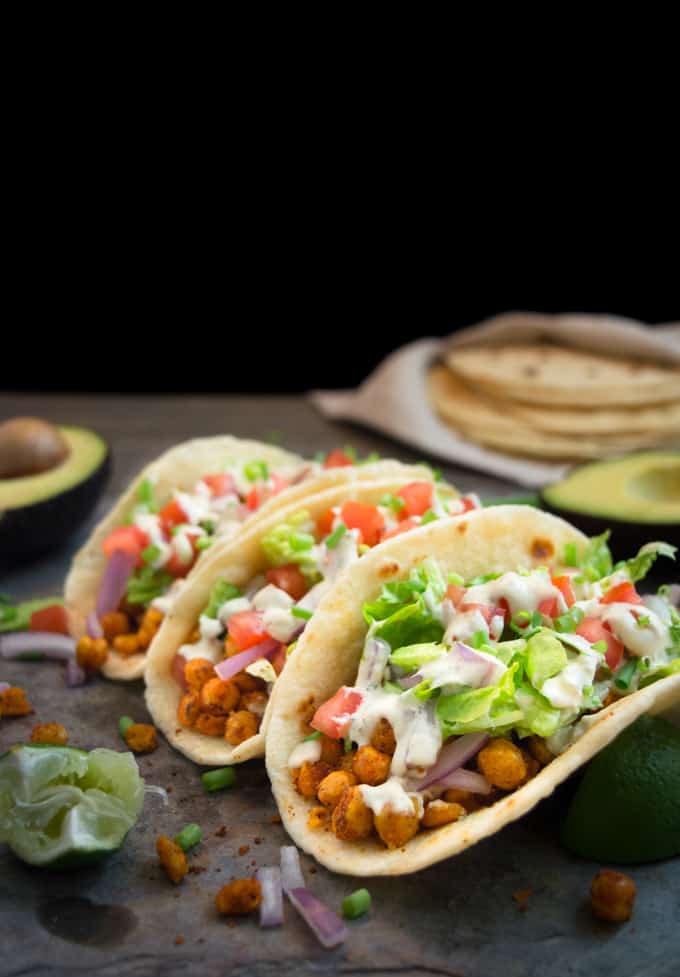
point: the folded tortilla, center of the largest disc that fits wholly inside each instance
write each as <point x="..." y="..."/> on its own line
<point x="237" y="561"/>
<point x="327" y="657"/>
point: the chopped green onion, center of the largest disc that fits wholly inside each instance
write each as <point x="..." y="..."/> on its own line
<point x="301" y="541"/>
<point x="209" y="525"/>
<point x="145" y="495"/>
<point x="124" y="724"/>
<point x="455" y="578"/>
<point x="370" y="458"/>
<point x="570" y="555"/>
<point x="335" y="537"/>
<point x="357" y="904"/>
<point x="320" y="456"/>
<point x="393" y="502"/>
<point x="347" y="742"/>
<point x="522" y="622"/>
<point x="221" y="592"/>
<point x="478" y="639"/>
<point x="350" y="452"/>
<point x="601" y="646"/>
<point x="429" y="516"/>
<point x="625" y="674"/>
<point x="203" y="543"/>
<point x="643" y="621"/>
<point x="568" y="622"/>
<point x="316" y="735"/>
<point x="363" y="549"/>
<point x="300" y="612"/>
<point x="189" y="836"/>
<point x="256" y="471"/>
<point x="150" y="554"/>
<point x="218" y="779"/>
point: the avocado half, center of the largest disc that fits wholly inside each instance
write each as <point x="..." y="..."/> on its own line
<point x="637" y="497"/>
<point x="38" y="512"/>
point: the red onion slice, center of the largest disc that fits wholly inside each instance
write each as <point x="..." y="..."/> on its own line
<point x="232" y="666"/>
<point x="4" y="686"/>
<point x="271" y="907"/>
<point x="452" y="756"/>
<point x="19" y="644"/>
<point x="291" y="872"/>
<point x="93" y="627"/>
<point x="114" y="581"/>
<point x="326" y="925"/>
<point x="75" y="675"/>
<point x="466" y="780"/>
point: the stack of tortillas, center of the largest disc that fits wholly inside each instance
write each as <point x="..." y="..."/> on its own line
<point x="550" y="401"/>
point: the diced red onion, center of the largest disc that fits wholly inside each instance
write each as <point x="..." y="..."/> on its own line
<point x="409" y="681"/>
<point x="232" y="666"/>
<point x="373" y="663"/>
<point x="452" y="756"/>
<point x="326" y="925"/>
<point x="114" y="581"/>
<point x="75" y="675"/>
<point x="291" y="871"/>
<point x="466" y="780"/>
<point x="18" y="644"/>
<point x="93" y="627"/>
<point x="4" y="686"/>
<point x="271" y="907"/>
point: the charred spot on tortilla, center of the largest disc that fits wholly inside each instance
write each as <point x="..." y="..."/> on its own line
<point x="389" y="569"/>
<point x="530" y="371"/>
<point x="462" y="527"/>
<point x="542" y="549"/>
<point x="305" y="710"/>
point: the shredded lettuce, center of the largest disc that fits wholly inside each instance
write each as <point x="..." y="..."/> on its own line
<point x="221" y="592"/>
<point x="393" y="596"/>
<point x="411" y="625"/>
<point x="146" y="584"/>
<point x="478" y="710"/>
<point x="393" y="502"/>
<point x="256" y="471"/>
<point x="545" y="657"/>
<point x="17" y="617"/>
<point x="411" y="657"/>
<point x="639" y="566"/>
<point x="596" y="560"/>
<point x="540" y="718"/>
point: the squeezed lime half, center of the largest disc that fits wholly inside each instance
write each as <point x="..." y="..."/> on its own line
<point x="62" y="807"/>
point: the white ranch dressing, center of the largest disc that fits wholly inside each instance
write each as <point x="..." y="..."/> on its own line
<point x="208" y="648"/>
<point x="463" y="625"/>
<point x="451" y="672"/>
<point x="650" y="641"/>
<point x="522" y="592"/>
<point x="565" y="690"/>
<point x="390" y="795"/>
<point x="209" y="627"/>
<point x="230" y="607"/>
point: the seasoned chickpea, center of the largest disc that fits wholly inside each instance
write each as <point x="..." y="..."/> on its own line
<point x="471" y="802"/>
<point x="13" y="702"/>
<point x="532" y="765"/>
<point x="383" y="738"/>
<point x="188" y="709"/>
<point x="352" y="818"/>
<point x="152" y="619"/>
<point x="248" y="683"/>
<point x="239" y="897"/>
<point x="219" y="697"/>
<point x="141" y="738"/>
<point x="144" y="639"/>
<point x="318" y="818"/>
<point x="194" y="636"/>
<point x="49" y="733"/>
<point x="612" y="895"/>
<point x="310" y="776"/>
<point x="370" y="766"/>
<point x="210" y="725"/>
<point x="441" y="812"/>
<point x="230" y="648"/>
<point x="241" y="726"/>
<point x="333" y="786"/>
<point x="539" y="750"/>
<point x="114" y="623"/>
<point x="172" y="858"/>
<point x="126" y="644"/>
<point x="255" y="702"/>
<point x="197" y="671"/>
<point x="331" y="750"/>
<point x="396" y="828"/>
<point x="346" y="762"/>
<point x="503" y="764"/>
<point x="91" y="653"/>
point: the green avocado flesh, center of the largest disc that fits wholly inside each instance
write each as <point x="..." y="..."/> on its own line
<point x="87" y="452"/>
<point x="641" y="488"/>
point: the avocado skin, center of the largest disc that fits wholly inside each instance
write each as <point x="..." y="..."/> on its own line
<point x="32" y="529"/>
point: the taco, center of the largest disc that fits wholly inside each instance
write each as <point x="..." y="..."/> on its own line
<point x="123" y="580"/>
<point x="453" y="678"/>
<point x="218" y="654"/>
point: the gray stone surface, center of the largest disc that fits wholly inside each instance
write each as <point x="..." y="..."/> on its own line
<point x="457" y="918"/>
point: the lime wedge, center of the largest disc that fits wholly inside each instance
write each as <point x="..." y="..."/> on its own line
<point x="627" y="807"/>
<point x="62" y="807"/>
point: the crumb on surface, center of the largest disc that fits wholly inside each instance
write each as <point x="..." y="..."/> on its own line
<point x="221" y="831"/>
<point x="521" y="897"/>
<point x="275" y="819"/>
<point x="179" y="940"/>
<point x="244" y="849"/>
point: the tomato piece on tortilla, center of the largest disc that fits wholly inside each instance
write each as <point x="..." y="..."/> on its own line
<point x="368" y="519"/>
<point x="403" y="527"/>
<point x="593" y="630"/>
<point x="549" y="607"/>
<point x="417" y="497"/>
<point x="337" y="459"/>
<point x="563" y="584"/>
<point x="246" y="629"/>
<point x="128" y="539"/>
<point x="622" y="593"/>
<point x="51" y="618"/>
<point x="220" y="484"/>
<point x="334" y="716"/>
<point x="172" y="514"/>
<point x="289" y="578"/>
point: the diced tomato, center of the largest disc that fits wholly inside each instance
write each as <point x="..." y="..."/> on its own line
<point x="488" y="611"/>
<point x="172" y="514"/>
<point x="622" y="593"/>
<point x="417" y="497"/>
<point x="337" y="459"/>
<point x="592" y="629"/>
<point x="179" y="664"/>
<point x="549" y="607"/>
<point x="253" y="498"/>
<point x="467" y="504"/>
<point x="563" y="584"/>
<point x="289" y="578"/>
<point x="503" y="608"/>
<point x="220" y="484"/>
<point x="403" y="527"/>
<point x="279" y="484"/>
<point x="324" y="524"/>
<point x="366" y="518"/>
<point x="129" y="539"/>
<point x="334" y="717"/>
<point x="278" y="659"/>
<point x="454" y="593"/>
<point x="175" y="566"/>
<point x="52" y="618"/>
<point x="246" y="629"/>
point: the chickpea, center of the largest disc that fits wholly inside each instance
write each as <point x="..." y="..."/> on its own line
<point x="333" y="786"/>
<point x="194" y="636"/>
<point x="13" y="702"/>
<point x="152" y="619"/>
<point x="219" y="697"/>
<point x="248" y="683"/>
<point x="532" y="765"/>
<point x="352" y="818"/>
<point x="396" y="828"/>
<point x="210" y="725"/>
<point x="141" y="738"/>
<point x="255" y="702"/>
<point x="612" y="895"/>
<point x="230" y="648"/>
<point x="238" y="898"/>
<point x="91" y="653"/>
<point x="126" y="644"/>
<point x="172" y="858"/>
<point x="346" y="762"/>
<point x="49" y="733"/>
<point x="440" y="812"/>
<point x="539" y="751"/>
<point x="188" y="709"/>
<point x="197" y="671"/>
<point x="370" y="766"/>
<point x="241" y="726"/>
<point x="310" y="776"/>
<point x="318" y="818"/>
<point x="114" y="623"/>
<point x="331" y="750"/>
<point x="383" y="738"/>
<point x="503" y="764"/>
<point x="144" y="638"/>
<point x="471" y="802"/>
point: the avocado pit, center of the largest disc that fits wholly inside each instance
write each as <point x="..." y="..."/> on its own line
<point x="29" y="446"/>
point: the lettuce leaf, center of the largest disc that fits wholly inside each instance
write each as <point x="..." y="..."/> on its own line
<point x="479" y="710"/>
<point x="639" y="566"/>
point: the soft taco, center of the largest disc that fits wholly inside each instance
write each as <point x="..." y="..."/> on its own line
<point x="218" y="654"/>
<point x="453" y="678"/>
<point x="124" y="578"/>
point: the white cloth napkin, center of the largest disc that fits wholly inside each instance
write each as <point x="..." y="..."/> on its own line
<point x="394" y="400"/>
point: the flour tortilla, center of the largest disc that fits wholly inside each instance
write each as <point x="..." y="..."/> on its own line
<point x="552" y="375"/>
<point x="180" y="468"/>
<point x="238" y="561"/>
<point x="328" y="654"/>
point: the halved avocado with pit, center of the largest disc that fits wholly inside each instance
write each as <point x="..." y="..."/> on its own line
<point x="40" y="511"/>
<point x="637" y="497"/>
